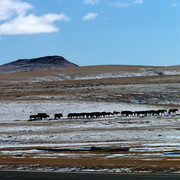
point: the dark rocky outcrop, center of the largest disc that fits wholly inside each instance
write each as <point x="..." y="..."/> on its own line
<point x="42" y="63"/>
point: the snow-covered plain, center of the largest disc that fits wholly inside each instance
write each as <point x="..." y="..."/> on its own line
<point x="21" y="110"/>
<point x="148" y="138"/>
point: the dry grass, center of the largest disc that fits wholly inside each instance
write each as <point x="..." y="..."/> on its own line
<point x="18" y="86"/>
<point x="95" y="162"/>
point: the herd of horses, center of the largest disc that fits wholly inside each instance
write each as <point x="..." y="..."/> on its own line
<point x="92" y="115"/>
<point x="41" y="116"/>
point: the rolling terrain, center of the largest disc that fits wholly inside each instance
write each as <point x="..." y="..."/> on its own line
<point x="153" y="141"/>
<point x="131" y="84"/>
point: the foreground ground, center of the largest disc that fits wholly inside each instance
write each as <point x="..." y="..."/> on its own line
<point x="20" y="175"/>
<point x="65" y="145"/>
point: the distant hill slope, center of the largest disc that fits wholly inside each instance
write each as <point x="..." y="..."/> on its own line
<point x="91" y="73"/>
<point x="42" y="63"/>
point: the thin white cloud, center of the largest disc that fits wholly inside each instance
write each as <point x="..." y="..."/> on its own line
<point x="91" y="2"/>
<point x="18" y="21"/>
<point x="174" y="5"/>
<point x="138" y="1"/>
<point x="9" y="8"/>
<point x="127" y="4"/>
<point x="90" y="16"/>
<point x="32" y="24"/>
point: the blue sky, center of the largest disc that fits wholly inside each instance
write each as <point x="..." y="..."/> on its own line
<point x="92" y="32"/>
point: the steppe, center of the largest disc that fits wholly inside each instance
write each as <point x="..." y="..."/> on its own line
<point x="153" y="142"/>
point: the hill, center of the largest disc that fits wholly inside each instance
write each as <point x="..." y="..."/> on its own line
<point x="42" y="63"/>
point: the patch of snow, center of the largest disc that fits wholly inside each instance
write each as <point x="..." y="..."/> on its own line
<point x="141" y="72"/>
<point x="21" y="110"/>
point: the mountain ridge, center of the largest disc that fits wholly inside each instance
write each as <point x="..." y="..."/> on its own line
<point x="41" y="63"/>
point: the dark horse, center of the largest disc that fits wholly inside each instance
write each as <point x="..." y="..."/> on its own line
<point x="42" y="116"/>
<point x="58" y="116"/>
<point x="172" y="111"/>
<point x="33" y="117"/>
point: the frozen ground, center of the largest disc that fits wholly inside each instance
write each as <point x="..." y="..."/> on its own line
<point x="148" y="138"/>
<point x="21" y="110"/>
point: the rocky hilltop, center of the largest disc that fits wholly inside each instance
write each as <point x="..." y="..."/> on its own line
<point x="42" y="63"/>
